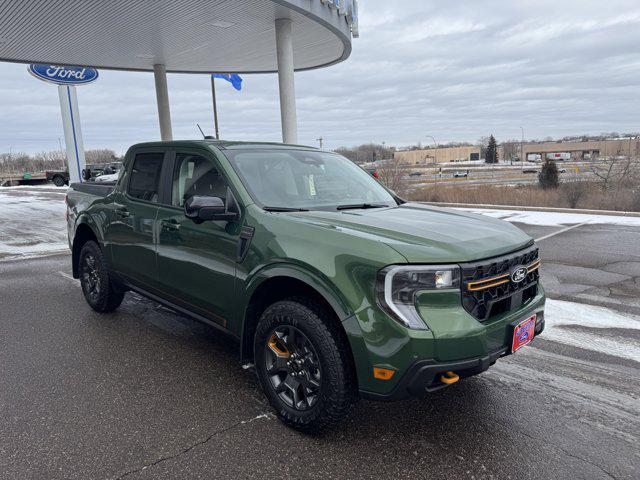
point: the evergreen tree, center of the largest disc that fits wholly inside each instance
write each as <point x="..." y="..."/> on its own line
<point x="491" y="155"/>
<point x="548" y="177"/>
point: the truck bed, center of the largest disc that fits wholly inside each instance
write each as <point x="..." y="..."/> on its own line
<point x="96" y="189"/>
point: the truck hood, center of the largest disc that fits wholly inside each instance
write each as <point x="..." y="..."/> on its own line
<point x="425" y="234"/>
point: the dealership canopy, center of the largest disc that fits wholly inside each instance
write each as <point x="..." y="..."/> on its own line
<point x="190" y="36"/>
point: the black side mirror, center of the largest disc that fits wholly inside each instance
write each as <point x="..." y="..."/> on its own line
<point x="86" y="174"/>
<point x="203" y="209"/>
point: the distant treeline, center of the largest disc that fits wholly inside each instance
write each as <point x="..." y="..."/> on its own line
<point x="369" y="152"/>
<point x="53" y="160"/>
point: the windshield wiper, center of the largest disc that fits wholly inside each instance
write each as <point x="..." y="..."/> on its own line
<point x="362" y="206"/>
<point x="284" y="209"/>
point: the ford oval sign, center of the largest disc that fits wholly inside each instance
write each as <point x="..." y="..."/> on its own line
<point x="519" y="274"/>
<point x="61" y="75"/>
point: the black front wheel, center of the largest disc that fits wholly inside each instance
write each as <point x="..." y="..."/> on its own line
<point x="99" y="291"/>
<point x="304" y="366"/>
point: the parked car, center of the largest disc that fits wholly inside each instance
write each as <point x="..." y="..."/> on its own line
<point x="334" y="288"/>
<point x="111" y="177"/>
<point x="530" y="170"/>
<point x="373" y="172"/>
<point x="415" y="174"/>
<point x="460" y="174"/>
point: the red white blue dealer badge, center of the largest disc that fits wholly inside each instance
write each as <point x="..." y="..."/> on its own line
<point x="523" y="333"/>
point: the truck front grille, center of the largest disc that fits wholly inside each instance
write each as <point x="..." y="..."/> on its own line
<point x="488" y="288"/>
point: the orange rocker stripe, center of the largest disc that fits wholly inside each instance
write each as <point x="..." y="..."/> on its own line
<point x="499" y="280"/>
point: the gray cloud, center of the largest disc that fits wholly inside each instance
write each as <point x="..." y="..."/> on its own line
<point x="455" y="70"/>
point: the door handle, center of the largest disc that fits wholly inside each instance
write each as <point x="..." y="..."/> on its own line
<point x="123" y="212"/>
<point x="171" y="225"/>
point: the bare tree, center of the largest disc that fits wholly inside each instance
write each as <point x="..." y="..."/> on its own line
<point x="574" y="191"/>
<point x="368" y="152"/>
<point x="19" y="163"/>
<point x="394" y="176"/>
<point x="611" y="170"/>
<point x="99" y="156"/>
<point x="510" y="149"/>
<point x="51" y="160"/>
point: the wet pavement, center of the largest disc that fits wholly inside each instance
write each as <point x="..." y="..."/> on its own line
<point x="147" y="393"/>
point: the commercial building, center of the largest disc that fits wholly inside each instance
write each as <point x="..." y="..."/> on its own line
<point x="439" y="155"/>
<point x="575" y="151"/>
<point x="584" y="150"/>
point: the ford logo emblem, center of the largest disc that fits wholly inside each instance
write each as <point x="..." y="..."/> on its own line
<point x="61" y="75"/>
<point x="519" y="274"/>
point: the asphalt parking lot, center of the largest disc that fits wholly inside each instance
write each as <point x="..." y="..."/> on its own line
<point x="148" y="393"/>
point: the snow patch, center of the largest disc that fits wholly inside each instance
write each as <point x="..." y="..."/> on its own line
<point x="554" y="219"/>
<point x="32" y="223"/>
<point x="560" y="314"/>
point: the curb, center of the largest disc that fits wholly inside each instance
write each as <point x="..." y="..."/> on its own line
<point x="535" y="209"/>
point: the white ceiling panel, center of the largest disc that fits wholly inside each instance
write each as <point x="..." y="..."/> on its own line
<point x="184" y="35"/>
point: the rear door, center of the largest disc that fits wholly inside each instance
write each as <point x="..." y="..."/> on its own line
<point x="131" y="235"/>
<point x="197" y="263"/>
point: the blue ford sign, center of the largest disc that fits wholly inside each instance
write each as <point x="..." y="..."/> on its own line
<point x="61" y="75"/>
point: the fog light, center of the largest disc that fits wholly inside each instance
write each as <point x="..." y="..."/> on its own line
<point x="383" y="373"/>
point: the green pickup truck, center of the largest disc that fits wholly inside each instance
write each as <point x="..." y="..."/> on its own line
<point x="334" y="288"/>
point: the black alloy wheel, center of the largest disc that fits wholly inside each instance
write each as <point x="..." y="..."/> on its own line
<point x="90" y="277"/>
<point x="99" y="290"/>
<point x="293" y="368"/>
<point x="304" y="364"/>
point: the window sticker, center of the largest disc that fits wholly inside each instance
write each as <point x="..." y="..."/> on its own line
<point x="312" y="186"/>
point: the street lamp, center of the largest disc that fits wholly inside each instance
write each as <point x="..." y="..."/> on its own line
<point x="435" y="160"/>
<point x="522" y="150"/>
<point x="435" y="152"/>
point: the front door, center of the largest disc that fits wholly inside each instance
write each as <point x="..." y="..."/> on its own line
<point x="197" y="263"/>
<point x="130" y="236"/>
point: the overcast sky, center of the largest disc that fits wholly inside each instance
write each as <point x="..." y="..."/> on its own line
<point x="456" y="70"/>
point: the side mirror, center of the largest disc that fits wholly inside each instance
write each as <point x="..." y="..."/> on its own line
<point x="204" y="209"/>
<point x="86" y="174"/>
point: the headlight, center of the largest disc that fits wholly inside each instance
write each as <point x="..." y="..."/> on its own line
<point x="397" y="287"/>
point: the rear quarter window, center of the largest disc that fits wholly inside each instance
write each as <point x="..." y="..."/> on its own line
<point x="144" y="181"/>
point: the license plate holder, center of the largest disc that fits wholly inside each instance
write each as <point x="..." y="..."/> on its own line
<point x="523" y="332"/>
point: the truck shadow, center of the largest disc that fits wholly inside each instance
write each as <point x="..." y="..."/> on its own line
<point x="443" y="415"/>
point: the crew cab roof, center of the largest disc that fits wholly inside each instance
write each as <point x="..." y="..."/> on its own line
<point x="222" y="144"/>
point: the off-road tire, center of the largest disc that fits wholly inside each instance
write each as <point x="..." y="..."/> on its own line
<point x="338" y="390"/>
<point x="108" y="296"/>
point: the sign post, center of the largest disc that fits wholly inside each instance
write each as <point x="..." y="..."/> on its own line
<point x="235" y="80"/>
<point x="66" y="78"/>
<point x="72" y="131"/>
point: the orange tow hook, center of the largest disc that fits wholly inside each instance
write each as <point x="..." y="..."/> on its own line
<point x="449" y="378"/>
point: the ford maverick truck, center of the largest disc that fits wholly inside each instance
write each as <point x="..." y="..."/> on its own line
<point x="334" y="288"/>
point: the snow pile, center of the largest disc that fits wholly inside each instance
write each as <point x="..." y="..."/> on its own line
<point x="565" y="322"/>
<point x="554" y="219"/>
<point x="32" y="222"/>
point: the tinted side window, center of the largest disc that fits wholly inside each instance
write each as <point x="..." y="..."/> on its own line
<point x="196" y="175"/>
<point x="144" y="182"/>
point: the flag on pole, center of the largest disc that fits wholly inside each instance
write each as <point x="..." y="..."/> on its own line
<point x="233" y="78"/>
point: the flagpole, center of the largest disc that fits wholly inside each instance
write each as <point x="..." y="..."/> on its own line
<point x="215" y="107"/>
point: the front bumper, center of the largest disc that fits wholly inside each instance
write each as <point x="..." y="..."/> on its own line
<point x="423" y="376"/>
<point x="456" y="342"/>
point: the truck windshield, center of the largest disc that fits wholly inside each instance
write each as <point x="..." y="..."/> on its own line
<point x="282" y="180"/>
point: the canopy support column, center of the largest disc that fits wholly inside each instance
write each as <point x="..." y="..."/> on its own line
<point x="162" y="96"/>
<point x="286" y="82"/>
